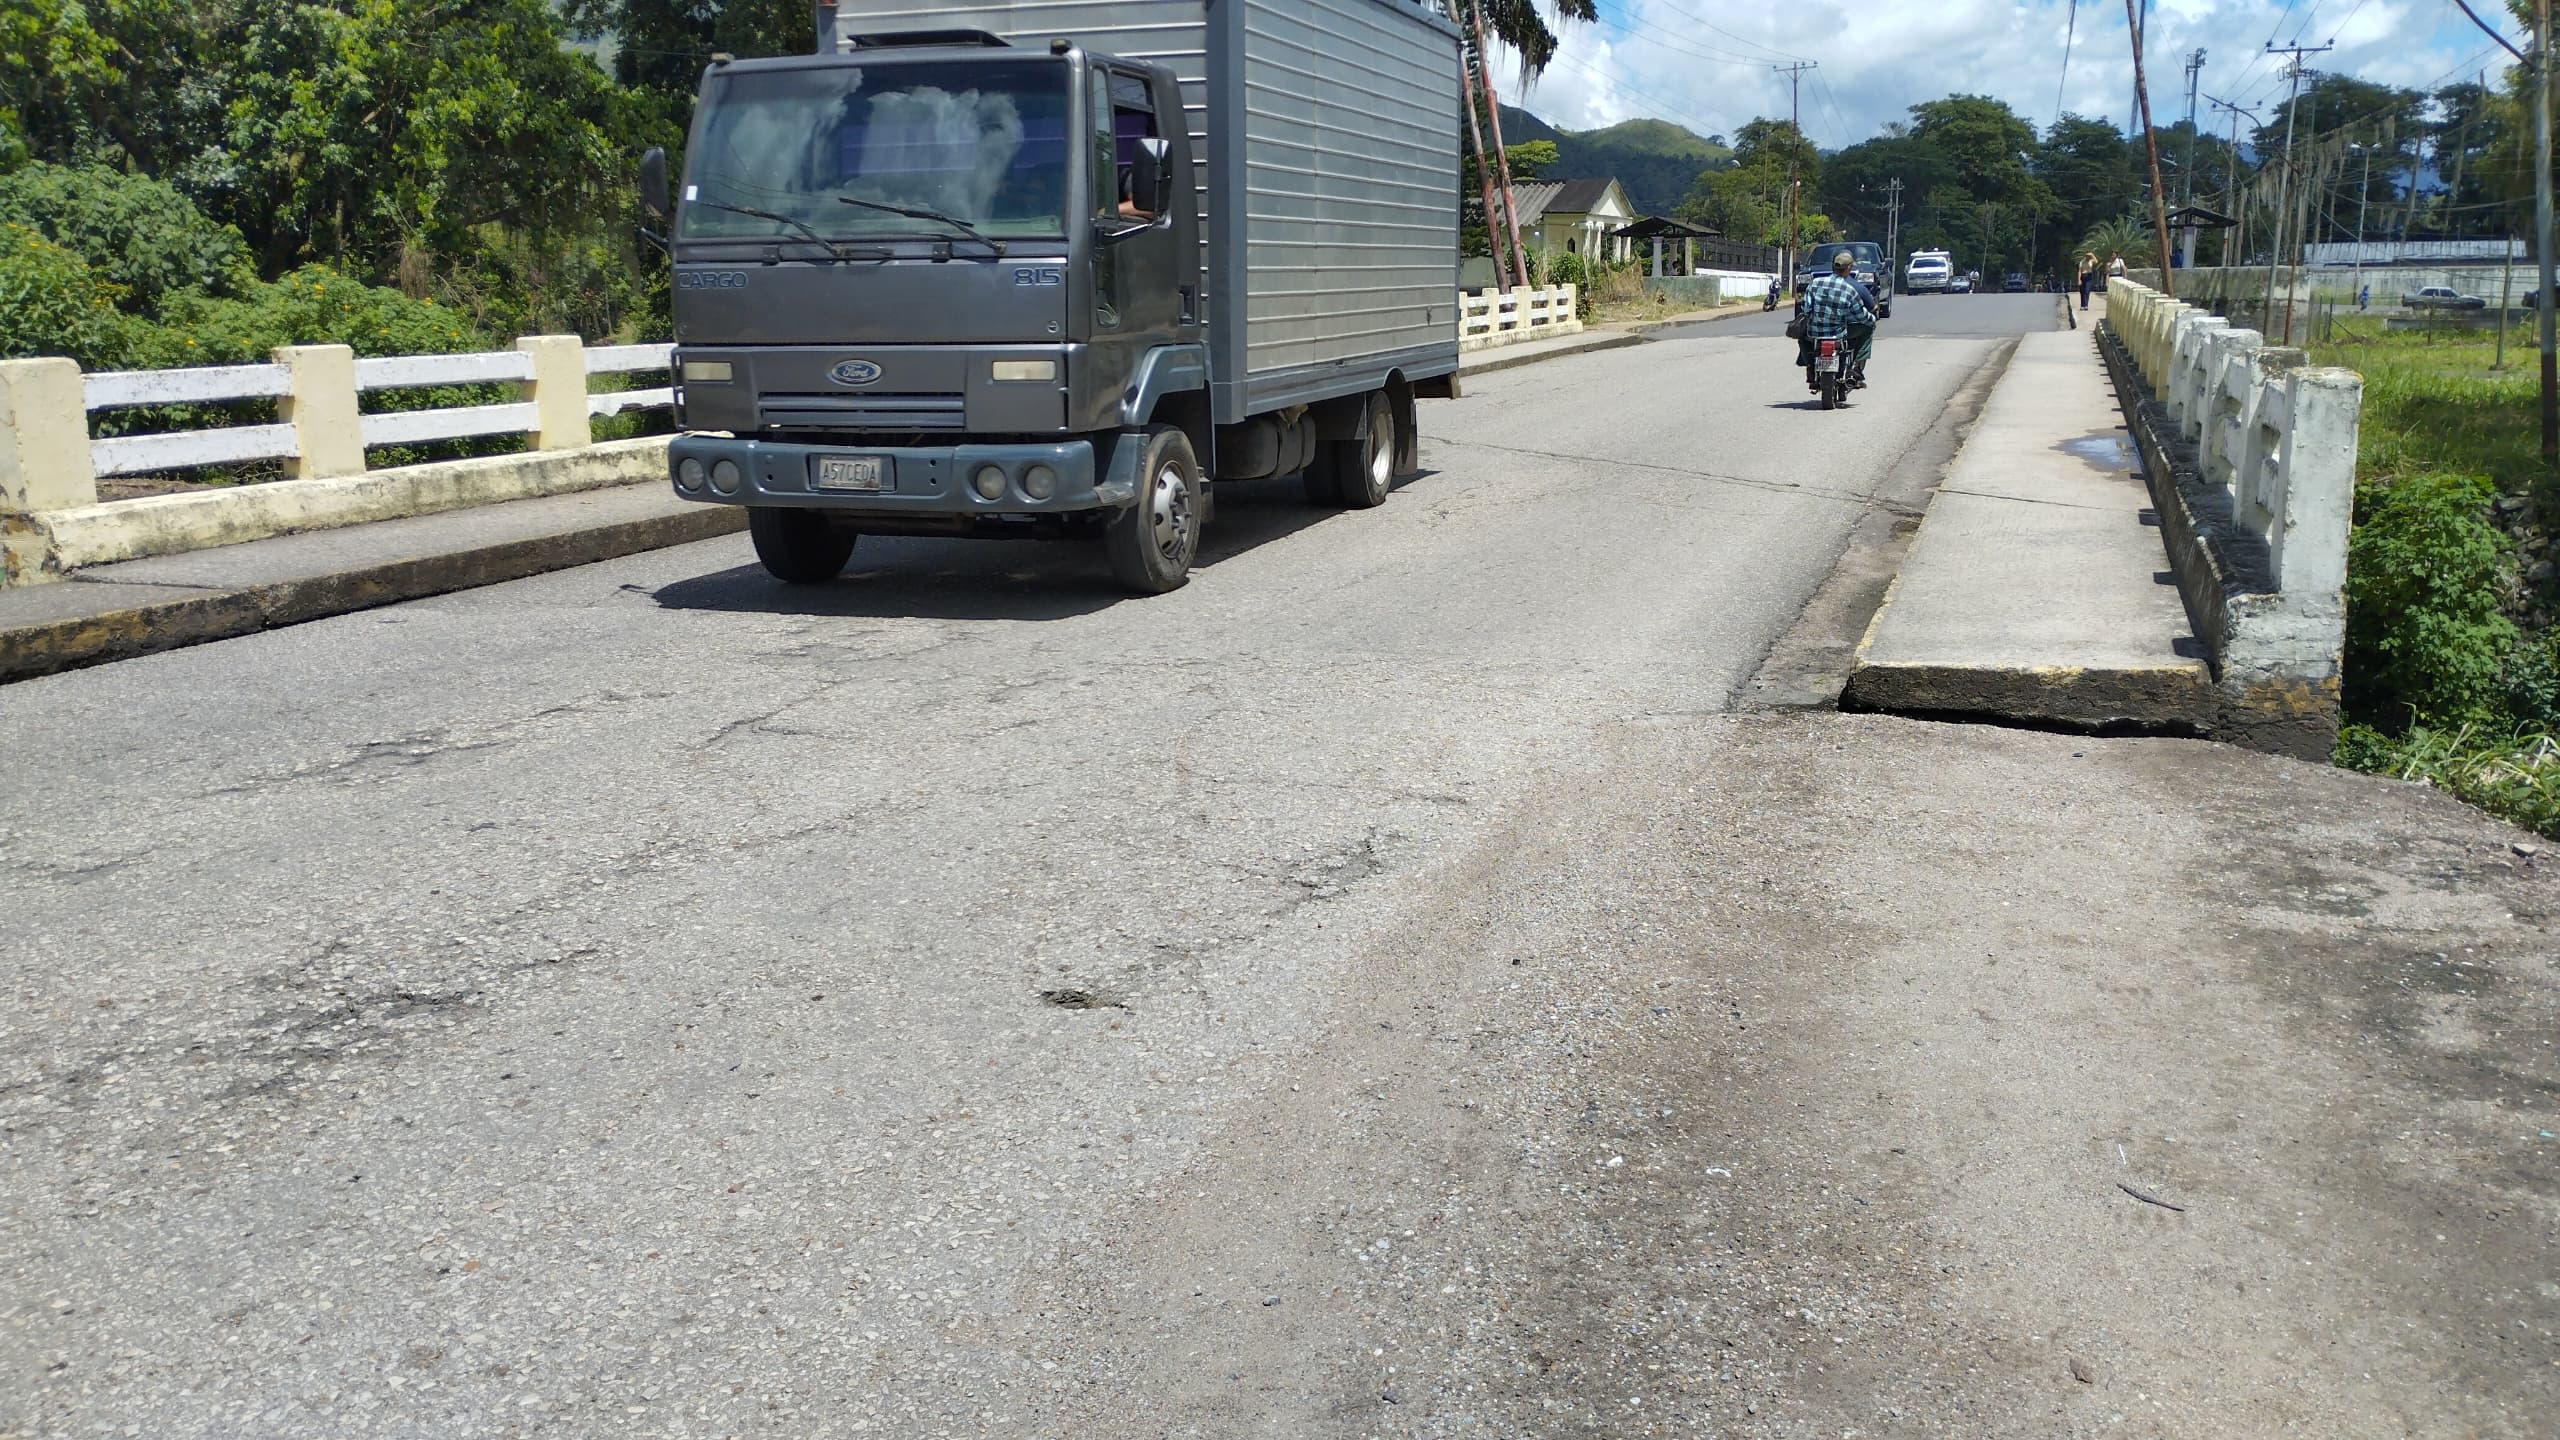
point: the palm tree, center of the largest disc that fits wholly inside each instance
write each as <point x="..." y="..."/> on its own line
<point x="1518" y="25"/>
<point x="2124" y="236"/>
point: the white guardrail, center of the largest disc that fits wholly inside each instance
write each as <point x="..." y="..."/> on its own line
<point x="322" y="430"/>
<point x="1488" y="318"/>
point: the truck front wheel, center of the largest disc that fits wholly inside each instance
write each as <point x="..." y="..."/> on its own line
<point x="798" y="547"/>
<point x="1153" y="542"/>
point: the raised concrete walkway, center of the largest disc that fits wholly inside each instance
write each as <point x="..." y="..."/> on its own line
<point x="2037" y="589"/>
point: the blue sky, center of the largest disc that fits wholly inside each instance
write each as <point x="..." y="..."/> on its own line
<point x="1705" y="63"/>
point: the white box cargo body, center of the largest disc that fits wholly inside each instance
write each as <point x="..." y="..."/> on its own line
<point x="1331" y="128"/>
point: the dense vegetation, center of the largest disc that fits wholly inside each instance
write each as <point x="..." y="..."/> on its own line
<point x="199" y="179"/>
<point x="2453" y="588"/>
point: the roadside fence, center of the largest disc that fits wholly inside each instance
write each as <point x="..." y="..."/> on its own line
<point x="51" y="462"/>
<point x="1488" y="318"/>
<point x="2251" y="452"/>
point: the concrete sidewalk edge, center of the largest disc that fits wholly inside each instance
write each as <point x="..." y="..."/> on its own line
<point x="73" y="642"/>
<point x="1582" y="344"/>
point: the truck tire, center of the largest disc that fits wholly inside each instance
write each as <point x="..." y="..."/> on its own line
<point x="1363" y="469"/>
<point x="798" y="547"/>
<point x="1152" y="543"/>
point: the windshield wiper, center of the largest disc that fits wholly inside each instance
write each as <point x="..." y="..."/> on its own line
<point x="833" y="249"/>
<point x="995" y="247"/>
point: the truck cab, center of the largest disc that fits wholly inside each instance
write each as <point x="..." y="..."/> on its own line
<point x="963" y="282"/>
<point x="920" y="288"/>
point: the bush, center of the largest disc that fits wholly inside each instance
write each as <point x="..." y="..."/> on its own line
<point x="2426" y="642"/>
<point x="314" y="305"/>
<point x="52" y="303"/>
<point x="136" y="232"/>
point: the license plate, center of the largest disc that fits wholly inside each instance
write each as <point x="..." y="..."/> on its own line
<point x="852" y="472"/>
<point x="1828" y="364"/>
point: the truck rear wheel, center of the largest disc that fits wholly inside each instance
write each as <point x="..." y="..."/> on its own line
<point x="1152" y="543"/>
<point x="798" y="547"/>
<point x="1363" y="469"/>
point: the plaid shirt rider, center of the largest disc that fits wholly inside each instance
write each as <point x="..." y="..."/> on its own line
<point x="1833" y="303"/>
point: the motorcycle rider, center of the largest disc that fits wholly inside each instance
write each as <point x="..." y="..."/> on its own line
<point x="1836" y="306"/>
<point x="1771" y="303"/>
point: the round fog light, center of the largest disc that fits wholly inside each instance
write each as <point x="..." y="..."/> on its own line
<point x="988" y="482"/>
<point x="725" y="476"/>
<point x="690" y="474"/>
<point x="1040" y="482"/>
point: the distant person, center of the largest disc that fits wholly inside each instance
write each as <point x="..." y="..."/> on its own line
<point x="2115" y="267"/>
<point x="2364" y="297"/>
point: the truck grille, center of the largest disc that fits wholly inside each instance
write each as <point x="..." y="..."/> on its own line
<point x="862" y="412"/>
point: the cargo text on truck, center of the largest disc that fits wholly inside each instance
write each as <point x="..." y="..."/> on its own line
<point x="973" y="270"/>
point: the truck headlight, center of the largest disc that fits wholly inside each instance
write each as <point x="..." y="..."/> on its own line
<point x="1025" y="370"/>
<point x="1039" y="482"/>
<point x="725" y="476"/>
<point x="988" y="482"/>
<point x="690" y="473"/>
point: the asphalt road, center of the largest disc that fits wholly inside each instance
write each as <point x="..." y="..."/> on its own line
<point x="1379" y="989"/>
<point x="1915" y="317"/>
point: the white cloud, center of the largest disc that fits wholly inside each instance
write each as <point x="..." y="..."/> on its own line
<point x="1707" y="64"/>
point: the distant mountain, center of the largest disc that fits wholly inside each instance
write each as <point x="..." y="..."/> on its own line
<point x="1655" y="160"/>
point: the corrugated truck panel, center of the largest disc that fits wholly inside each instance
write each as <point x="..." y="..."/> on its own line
<point x="1351" y="181"/>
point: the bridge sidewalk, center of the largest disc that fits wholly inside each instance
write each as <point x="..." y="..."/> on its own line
<point x="2037" y="589"/>
<point x="139" y="607"/>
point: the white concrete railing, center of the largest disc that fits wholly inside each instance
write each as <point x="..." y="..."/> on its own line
<point x="1502" y="317"/>
<point x="2277" y="433"/>
<point x="321" y="430"/>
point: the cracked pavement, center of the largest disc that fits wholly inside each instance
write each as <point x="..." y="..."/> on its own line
<point x="1381" y="989"/>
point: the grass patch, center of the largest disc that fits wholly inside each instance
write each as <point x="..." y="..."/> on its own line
<point x="2515" y="777"/>
<point x="2438" y="403"/>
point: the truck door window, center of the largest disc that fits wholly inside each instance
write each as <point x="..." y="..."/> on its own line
<point x="1132" y="118"/>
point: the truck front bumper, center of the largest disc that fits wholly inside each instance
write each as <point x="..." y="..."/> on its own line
<point x="919" y="481"/>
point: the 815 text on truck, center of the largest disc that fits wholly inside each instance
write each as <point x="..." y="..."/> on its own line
<point x="987" y="276"/>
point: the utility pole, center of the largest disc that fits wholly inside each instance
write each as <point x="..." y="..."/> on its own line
<point x="2151" y="143"/>
<point x="1484" y="177"/>
<point x="2187" y="172"/>
<point x="1501" y="156"/>
<point x="2233" y="247"/>
<point x="1791" y="212"/>
<point x="2542" y="306"/>
<point x="2284" y="180"/>
<point x="1892" y="228"/>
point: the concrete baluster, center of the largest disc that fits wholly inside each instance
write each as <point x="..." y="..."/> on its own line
<point x="44" y="438"/>
<point x="320" y="405"/>
<point x="557" y="390"/>
<point x="2317" y="482"/>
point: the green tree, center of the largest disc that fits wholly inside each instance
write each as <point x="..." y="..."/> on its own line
<point x="137" y="233"/>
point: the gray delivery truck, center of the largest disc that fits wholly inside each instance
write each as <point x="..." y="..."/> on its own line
<point x="1054" y="267"/>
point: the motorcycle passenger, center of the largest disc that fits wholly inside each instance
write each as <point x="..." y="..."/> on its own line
<point x="1837" y="307"/>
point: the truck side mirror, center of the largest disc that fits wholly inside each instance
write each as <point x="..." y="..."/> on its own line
<point x="1150" y="177"/>
<point x="653" y="182"/>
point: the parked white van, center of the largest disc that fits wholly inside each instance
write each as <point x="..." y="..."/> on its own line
<point x="1927" y="274"/>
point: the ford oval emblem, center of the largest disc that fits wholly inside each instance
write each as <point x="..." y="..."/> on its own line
<point x="854" y="372"/>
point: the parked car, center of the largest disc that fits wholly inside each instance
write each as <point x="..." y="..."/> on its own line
<point x="2015" y="283"/>
<point x="1959" y="284"/>
<point x="2442" y="297"/>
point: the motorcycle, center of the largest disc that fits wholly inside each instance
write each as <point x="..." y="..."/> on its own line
<point x="1833" y="373"/>
<point x="1770" y="301"/>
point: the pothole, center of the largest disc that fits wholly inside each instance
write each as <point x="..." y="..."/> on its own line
<point x="1071" y="998"/>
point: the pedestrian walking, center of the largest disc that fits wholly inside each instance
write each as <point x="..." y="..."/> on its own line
<point x="2364" y="297"/>
<point x="2115" y="267"/>
<point x="2088" y="276"/>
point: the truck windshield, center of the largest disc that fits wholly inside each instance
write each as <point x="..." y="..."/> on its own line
<point x="984" y="142"/>
<point x="1866" y="252"/>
